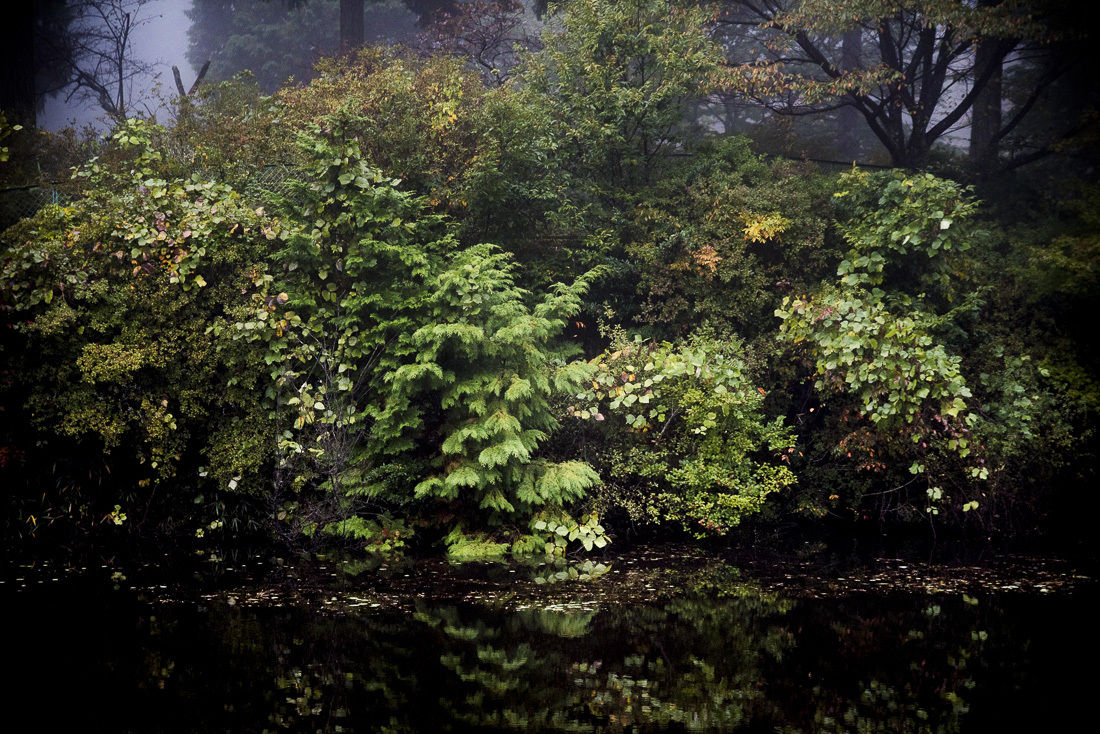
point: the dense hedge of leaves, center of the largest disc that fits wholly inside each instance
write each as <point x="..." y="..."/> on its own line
<point x="526" y="316"/>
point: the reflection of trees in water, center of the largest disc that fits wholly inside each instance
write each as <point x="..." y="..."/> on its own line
<point x="869" y="667"/>
<point x="734" y="658"/>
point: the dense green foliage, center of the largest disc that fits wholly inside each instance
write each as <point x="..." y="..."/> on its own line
<point x="613" y="83"/>
<point x="528" y="316"/>
<point x="684" y="435"/>
<point x="108" y="302"/>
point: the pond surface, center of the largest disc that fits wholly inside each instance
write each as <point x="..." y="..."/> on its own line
<point x="666" y="640"/>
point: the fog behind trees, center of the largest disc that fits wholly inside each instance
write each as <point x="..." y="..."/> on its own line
<point x="161" y="42"/>
<point x="171" y="33"/>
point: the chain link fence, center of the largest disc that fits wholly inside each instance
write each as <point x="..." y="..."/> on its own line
<point x="272" y="182"/>
<point x="24" y="201"/>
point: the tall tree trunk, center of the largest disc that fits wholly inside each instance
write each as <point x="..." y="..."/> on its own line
<point x="985" y="121"/>
<point x="17" y="65"/>
<point x="351" y="24"/>
<point x="848" y="118"/>
<point x="985" y="116"/>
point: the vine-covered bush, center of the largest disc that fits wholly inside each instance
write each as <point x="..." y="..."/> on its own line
<point x="679" y="434"/>
<point x="912" y="386"/>
<point x="115" y="389"/>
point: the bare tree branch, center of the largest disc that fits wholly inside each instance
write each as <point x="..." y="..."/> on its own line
<point x="96" y="47"/>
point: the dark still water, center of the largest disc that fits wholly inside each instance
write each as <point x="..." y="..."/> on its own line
<point x="650" y="644"/>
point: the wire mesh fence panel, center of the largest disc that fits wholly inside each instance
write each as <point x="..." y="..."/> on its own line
<point x="25" y="201"/>
<point x="272" y="183"/>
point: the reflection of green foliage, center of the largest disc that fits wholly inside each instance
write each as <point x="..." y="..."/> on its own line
<point x="560" y="624"/>
<point x="882" y="708"/>
<point x="915" y="672"/>
<point x="559" y="570"/>
<point x="722" y="581"/>
<point x="721" y="656"/>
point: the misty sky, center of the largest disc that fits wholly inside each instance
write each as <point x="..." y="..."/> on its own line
<point x="162" y="40"/>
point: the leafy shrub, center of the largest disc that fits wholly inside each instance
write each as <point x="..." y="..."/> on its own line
<point x="682" y="426"/>
<point x="106" y="304"/>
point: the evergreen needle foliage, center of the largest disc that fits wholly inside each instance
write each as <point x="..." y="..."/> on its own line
<point x="492" y="365"/>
